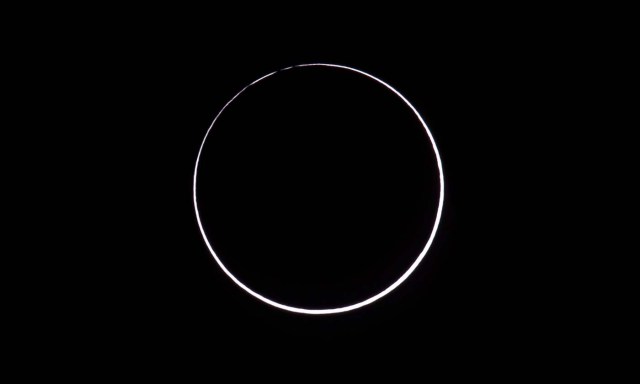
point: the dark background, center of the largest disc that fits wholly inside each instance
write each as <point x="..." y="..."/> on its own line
<point x="133" y="273"/>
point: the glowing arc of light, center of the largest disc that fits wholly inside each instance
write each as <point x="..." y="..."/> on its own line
<point x="389" y="288"/>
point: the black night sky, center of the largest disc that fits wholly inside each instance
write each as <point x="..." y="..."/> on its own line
<point x="318" y="187"/>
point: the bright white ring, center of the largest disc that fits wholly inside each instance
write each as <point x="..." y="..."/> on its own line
<point x="373" y="298"/>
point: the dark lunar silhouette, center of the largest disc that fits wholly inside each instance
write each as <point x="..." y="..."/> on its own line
<point x="318" y="187"/>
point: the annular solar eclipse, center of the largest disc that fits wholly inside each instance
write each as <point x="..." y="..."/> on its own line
<point x="355" y="305"/>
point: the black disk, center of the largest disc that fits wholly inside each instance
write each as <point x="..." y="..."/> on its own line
<point x="317" y="187"/>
